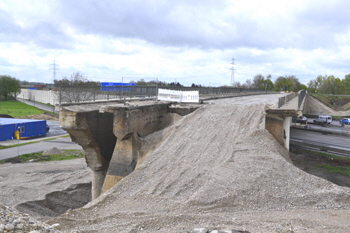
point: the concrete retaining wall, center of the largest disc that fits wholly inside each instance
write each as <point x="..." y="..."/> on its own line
<point x="42" y="96"/>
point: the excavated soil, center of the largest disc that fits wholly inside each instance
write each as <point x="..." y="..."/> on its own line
<point x="45" y="189"/>
<point x="312" y="164"/>
<point x="57" y="202"/>
<point x="44" y="116"/>
<point x="217" y="168"/>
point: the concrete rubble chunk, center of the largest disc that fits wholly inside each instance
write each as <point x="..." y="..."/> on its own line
<point x="53" y="151"/>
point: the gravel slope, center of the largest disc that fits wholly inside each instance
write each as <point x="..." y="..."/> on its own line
<point x="217" y="168"/>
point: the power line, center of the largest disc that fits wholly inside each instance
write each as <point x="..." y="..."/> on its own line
<point x="54" y="67"/>
<point x="232" y="72"/>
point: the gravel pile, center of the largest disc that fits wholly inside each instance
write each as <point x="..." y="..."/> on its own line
<point x="217" y="168"/>
<point x="13" y="221"/>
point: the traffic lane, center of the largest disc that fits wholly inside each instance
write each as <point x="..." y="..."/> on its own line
<point x="319" y="138"/>
<point x="64" y="143"/>
<point x="334" y="122"/>
<point x="311" y="121"/>
<point x="55" y="129"/>
<point x="38" y="105"/>
<point x="334" y="126"/>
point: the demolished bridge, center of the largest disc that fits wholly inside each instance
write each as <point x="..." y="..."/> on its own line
<point x="110" y="135"/>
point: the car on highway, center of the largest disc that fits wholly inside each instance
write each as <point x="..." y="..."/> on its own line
<point x="321" y="119"/>
<point x="345" y="120"/>
<point x="300" y="119"/>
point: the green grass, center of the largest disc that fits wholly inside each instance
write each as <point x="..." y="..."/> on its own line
<point x="39" y="157"/>
<point x="18" y="109"/>
<point x="15" y="145"/>
<point x="27" y="143"/>
<point x="330" y="156"/>
<point x="345" y="170"/>
<point x="336" y="169"/>
<point x="339" y="103"/>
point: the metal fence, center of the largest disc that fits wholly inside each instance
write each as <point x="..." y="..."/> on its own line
<point x="74" y="94"/>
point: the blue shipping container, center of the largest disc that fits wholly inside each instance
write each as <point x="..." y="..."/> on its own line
<point x="26" y="128"/>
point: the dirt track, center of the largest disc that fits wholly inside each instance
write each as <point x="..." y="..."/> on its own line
<point x="216" y="168"/>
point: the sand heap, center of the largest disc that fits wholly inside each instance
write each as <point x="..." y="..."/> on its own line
<point x="217" y="168"/>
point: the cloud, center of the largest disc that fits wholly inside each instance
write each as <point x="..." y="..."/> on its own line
<point x="192" y="41"/>
<point x="26" y="29"/>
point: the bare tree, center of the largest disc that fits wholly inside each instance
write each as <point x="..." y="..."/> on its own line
<point x="248" y="84"/>
<point x="76" y="88"/>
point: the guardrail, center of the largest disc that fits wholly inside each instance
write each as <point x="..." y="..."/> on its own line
<point x="329" y="149"/>
<point x="74" y="94"/>
<point x="285" y="99"/>
<point x="78" y="94"/>
<point x="301" y="97"/>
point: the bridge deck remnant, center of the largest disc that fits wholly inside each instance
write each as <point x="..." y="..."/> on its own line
<point x="278" y="121"/>
<point x="110" y="134"/>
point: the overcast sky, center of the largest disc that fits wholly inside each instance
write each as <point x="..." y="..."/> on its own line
<point x="188" y="41"/>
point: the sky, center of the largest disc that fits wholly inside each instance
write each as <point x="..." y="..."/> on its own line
<point x="185" y="41"/>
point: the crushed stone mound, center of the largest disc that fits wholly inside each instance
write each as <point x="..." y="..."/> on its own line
<point x="53" y="151"/>
<point x="13" y="221"/>
<point x="217" y="167"/>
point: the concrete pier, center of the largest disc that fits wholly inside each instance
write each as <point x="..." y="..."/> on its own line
<point x="110" y="135"/>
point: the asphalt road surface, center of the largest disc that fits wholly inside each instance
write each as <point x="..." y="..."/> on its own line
<point x="61" y="143"/>
<point x="55" y="129"/>
<point x="38" y="105"/>
<point x="321" y="139"/>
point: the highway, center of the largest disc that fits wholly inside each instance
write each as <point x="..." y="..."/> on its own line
<point x="321" y="141"/>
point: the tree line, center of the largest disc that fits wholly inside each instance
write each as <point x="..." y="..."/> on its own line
<point x="328" y="84"/>
<point x="282" y="83"/>
<point x="9" y="87"/>
<point x="324" y="84"/>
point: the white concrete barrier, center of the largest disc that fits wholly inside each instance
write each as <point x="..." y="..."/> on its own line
<point x="190" y="97"/>
<point x="42" y="96"/>
<point x="178" y="96"/>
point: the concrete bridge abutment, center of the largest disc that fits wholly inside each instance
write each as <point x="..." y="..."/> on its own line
<point x="278" y="122"/>
<point x="111" y="135"/>
<point x="94" y="133"/>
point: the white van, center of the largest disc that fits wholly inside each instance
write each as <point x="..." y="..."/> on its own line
<point x="323" y="119"/>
